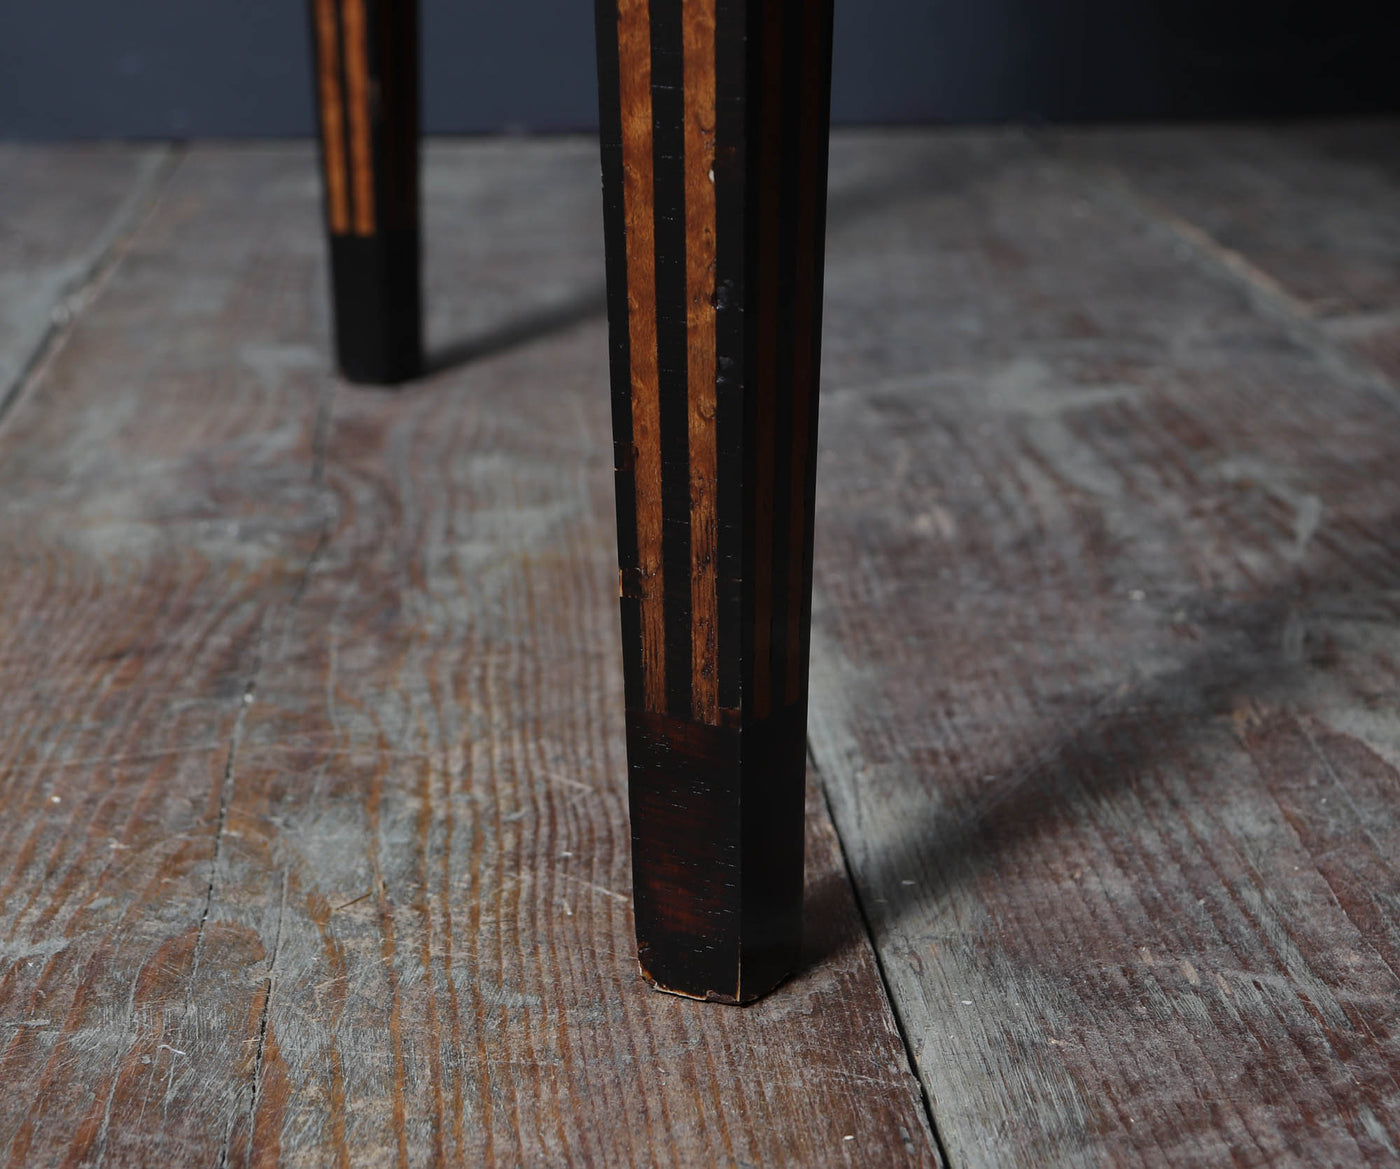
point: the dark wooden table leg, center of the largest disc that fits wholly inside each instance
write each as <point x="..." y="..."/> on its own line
<point x="714" y="138"/>
<point x="367" y="96"/>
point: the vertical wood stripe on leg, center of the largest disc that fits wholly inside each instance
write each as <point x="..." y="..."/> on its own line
<point x="699" y="69"/>
<point x="357" y="91"/>
<point x="784" y="89"/>
<point x="332" y="116"/>
<point x="668" y="101"/>
<point x="731" y="165"/>
<point x="806" y="353"/>
<point x="682" y="348"/>
<point x="765" y="387"/>
<point x="634" y="76"/>
<point x="619" y="347"/>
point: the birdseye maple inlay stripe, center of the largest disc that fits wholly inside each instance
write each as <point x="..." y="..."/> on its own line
<point x="357" y="92"/>
<point x="699" y="16"/>
<point x="332" y="115"/>
<point x="634" y="68"/>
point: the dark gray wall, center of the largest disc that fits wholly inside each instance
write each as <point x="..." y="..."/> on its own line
<point x="138" y="68"/>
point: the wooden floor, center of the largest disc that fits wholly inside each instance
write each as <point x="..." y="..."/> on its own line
<point x="312" y="810"/>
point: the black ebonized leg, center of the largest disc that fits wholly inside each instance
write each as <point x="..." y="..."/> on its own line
<point x="367" y="97"/>
<point x="714" y="138"/>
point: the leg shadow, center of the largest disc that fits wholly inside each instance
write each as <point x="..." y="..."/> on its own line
<point x="537" y="325"/>
<point x="1255" y="655"/>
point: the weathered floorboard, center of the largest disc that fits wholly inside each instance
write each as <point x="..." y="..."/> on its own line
<point x="1307" y="214"/>
<point x="62" y="209"/>
<point x="325" y="684"/>
<point x="1103" y="693"/>
<point x="1104" y="665"/>
<point x="157" y="506"/>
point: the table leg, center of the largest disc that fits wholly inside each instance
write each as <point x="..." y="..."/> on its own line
<point x="714" y="144"/>
<point x="367" y="99"/>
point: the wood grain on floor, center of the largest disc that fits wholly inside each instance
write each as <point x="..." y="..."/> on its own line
<point x="1308" y="215"/>
<point x="1105" y="695"/>
<point x="62" y="212"/>
<point x="314" y="847"/>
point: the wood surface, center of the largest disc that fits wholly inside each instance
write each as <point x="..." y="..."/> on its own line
<point x="315" y="846"/>
<point x="1305" y="215"/>
<point x="714" y="144"/>
<point x="1103" y="681"/>
<point x="62" y="210"/>
<point x="1104" y="678"/>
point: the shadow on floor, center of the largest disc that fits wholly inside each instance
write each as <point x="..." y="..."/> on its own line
<point x="1256" y="660"/>
<point x="537" y="325"/>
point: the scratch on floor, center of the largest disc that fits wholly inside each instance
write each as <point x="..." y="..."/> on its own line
<point x="319" y="441"/>
<point x="220" y="829"/>
<point x="264" y="1019"/>
<point x="622" y="897"/>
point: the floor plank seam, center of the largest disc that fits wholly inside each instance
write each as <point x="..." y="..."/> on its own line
<point x="245" y="700"/>
<point x="259" y="1057"/>
<point x="130" y="219"/>
<point x="319" y="442"/>
<point x="318" y="456"/>
<point x="899" y="1021"/>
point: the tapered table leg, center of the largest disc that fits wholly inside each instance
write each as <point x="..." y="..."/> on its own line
<point x="367" y="98"/>
<point x="714" y="142"/>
